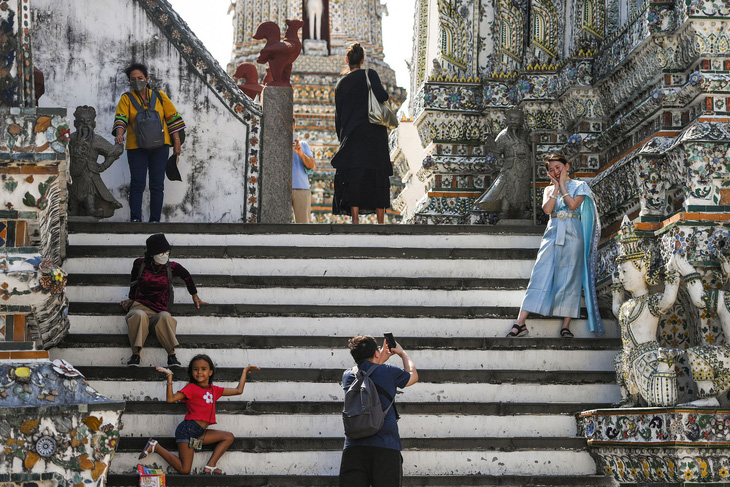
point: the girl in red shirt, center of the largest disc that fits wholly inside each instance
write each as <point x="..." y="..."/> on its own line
<point x="200" y="396"/>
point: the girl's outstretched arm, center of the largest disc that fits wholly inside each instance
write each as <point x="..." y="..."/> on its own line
<point x="241" y="383"/>
<point x="169" y="395"/>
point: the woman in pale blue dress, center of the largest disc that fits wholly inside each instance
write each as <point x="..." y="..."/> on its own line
<point x="566" y="261"/>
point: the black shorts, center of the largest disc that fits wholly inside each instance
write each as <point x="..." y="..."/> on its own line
<point x="188" y="429"/>
<point x="371" y="466"/>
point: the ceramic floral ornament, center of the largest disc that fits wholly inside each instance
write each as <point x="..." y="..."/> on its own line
<point x="709" y="364"/>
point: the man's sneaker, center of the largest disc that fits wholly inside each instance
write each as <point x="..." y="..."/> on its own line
<point x="172" y="361"/>
<point x="133" y="361"/>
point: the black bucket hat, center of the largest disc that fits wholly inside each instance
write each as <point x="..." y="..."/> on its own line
<point x="157" y="244"/>
<point x="173" y="173"/>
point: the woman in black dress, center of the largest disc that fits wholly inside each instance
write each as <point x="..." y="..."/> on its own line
<point x="362" y="163"/>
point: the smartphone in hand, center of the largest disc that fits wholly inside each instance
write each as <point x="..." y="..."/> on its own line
<point x="390" y="340"/>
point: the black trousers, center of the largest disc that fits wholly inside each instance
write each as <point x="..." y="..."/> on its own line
<point x="371" y="466"/>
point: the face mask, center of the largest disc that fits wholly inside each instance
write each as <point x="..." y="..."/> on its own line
<point x="138" y="84"/>
<point x="161" y="259"/>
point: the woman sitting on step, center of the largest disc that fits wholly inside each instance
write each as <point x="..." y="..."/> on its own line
<point x="566" y="260"/>
<point x="150" y="297"/>
<point x="200" y="396"/>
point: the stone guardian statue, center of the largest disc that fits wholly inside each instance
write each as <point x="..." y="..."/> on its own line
<point x="644" y="371"/>
<point x="315" y="10"/>
<point x="509" y="193"/>
<point x="87" y="194"/>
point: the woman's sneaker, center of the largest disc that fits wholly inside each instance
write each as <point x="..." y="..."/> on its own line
<point x="172" y="361"/>
<point x="133" y="361"/>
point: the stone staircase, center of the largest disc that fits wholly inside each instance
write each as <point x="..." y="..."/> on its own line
<point x="487" y="410"/>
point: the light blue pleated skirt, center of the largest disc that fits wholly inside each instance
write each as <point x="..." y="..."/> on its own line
<point x="555" y="283"/>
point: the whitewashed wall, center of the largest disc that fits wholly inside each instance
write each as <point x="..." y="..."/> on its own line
<point x="415" y="190"/>
<point x="82" y="47"/>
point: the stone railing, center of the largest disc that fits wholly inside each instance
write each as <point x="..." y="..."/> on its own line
<point x="199" y="59"/>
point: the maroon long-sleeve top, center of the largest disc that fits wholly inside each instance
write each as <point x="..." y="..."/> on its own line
<point x="152" y="289"/>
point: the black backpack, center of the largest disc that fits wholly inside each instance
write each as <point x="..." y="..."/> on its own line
<point x="363" y="413"/>
<point x="147" y="124"/>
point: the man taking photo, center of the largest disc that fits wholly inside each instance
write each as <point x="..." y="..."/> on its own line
<point x="375" y="461"/>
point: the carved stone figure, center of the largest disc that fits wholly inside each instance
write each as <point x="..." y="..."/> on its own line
<point x="315" y="10"/>
<point x="248" y="73"/>
<point x="709" y="364"/>
<point x="643" y="369"/>
<point x="509" y="193"/>
<point x="279" y="54"/>
<point x="87" y="193"/>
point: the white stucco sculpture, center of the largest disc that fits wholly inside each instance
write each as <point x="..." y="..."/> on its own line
<point x="709" y="364"/>
<point x="315" y="10"/>
<point x="644" y="371"/>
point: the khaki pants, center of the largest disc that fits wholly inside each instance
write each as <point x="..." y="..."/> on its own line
<point x="301" y="201"/>
<point x="140" y="319"/>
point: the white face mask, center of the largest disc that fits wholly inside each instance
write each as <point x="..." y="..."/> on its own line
<point x="161" y="259"/>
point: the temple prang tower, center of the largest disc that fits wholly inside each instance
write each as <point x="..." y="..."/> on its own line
<point x="635" y="94"/>
<point x="318" y="68"/>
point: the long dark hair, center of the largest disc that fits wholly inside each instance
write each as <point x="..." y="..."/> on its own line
<point x="201" y="356"/>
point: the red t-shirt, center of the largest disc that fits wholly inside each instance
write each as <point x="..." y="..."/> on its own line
<point x="201" y="402"/>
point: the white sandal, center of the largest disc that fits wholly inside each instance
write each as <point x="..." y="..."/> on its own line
<point x="208" y="470"/>
<point x="150" y="443"/>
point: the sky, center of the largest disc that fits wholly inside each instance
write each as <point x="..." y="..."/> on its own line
<point x="215" y="29"/>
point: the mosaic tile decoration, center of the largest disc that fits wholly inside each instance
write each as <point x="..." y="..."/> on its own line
<point x="53" y="421"/>
<point x="586" y="73"/>
<point x="659" y="445"/>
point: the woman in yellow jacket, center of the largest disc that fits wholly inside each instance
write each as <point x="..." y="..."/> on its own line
<point x="142" y="161"/>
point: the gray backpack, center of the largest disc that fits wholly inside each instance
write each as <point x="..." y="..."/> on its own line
<point x="363" y="413"/>
<point x="147" y="124"/>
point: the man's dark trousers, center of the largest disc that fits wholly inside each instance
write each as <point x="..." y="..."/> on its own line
<point x="371" y="466"/>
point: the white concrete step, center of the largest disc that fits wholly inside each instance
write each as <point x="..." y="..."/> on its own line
<point x="330" y="425"/>
<point x="474" y="241"/>
<point x="317" y="296"/>
<point x="555" y="373"/>
<point x="424" y="462"/>
<point x="345" y="327"/>
<point x="457" y="268"/>
<point x="422" y="392"/>
<point x="553" y="360"/>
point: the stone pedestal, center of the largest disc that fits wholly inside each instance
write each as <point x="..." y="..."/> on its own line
<point x="315" y="47"/>
<point x="276" y="154"/>
<point x="660" y="446"/>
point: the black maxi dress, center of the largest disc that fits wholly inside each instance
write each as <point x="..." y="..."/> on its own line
<point x="362" y="162"/>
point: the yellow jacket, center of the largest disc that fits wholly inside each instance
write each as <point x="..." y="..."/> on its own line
<point x="126" y="114"/>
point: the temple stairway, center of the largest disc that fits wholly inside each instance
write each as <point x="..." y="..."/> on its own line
<point x="487" y="411"/>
